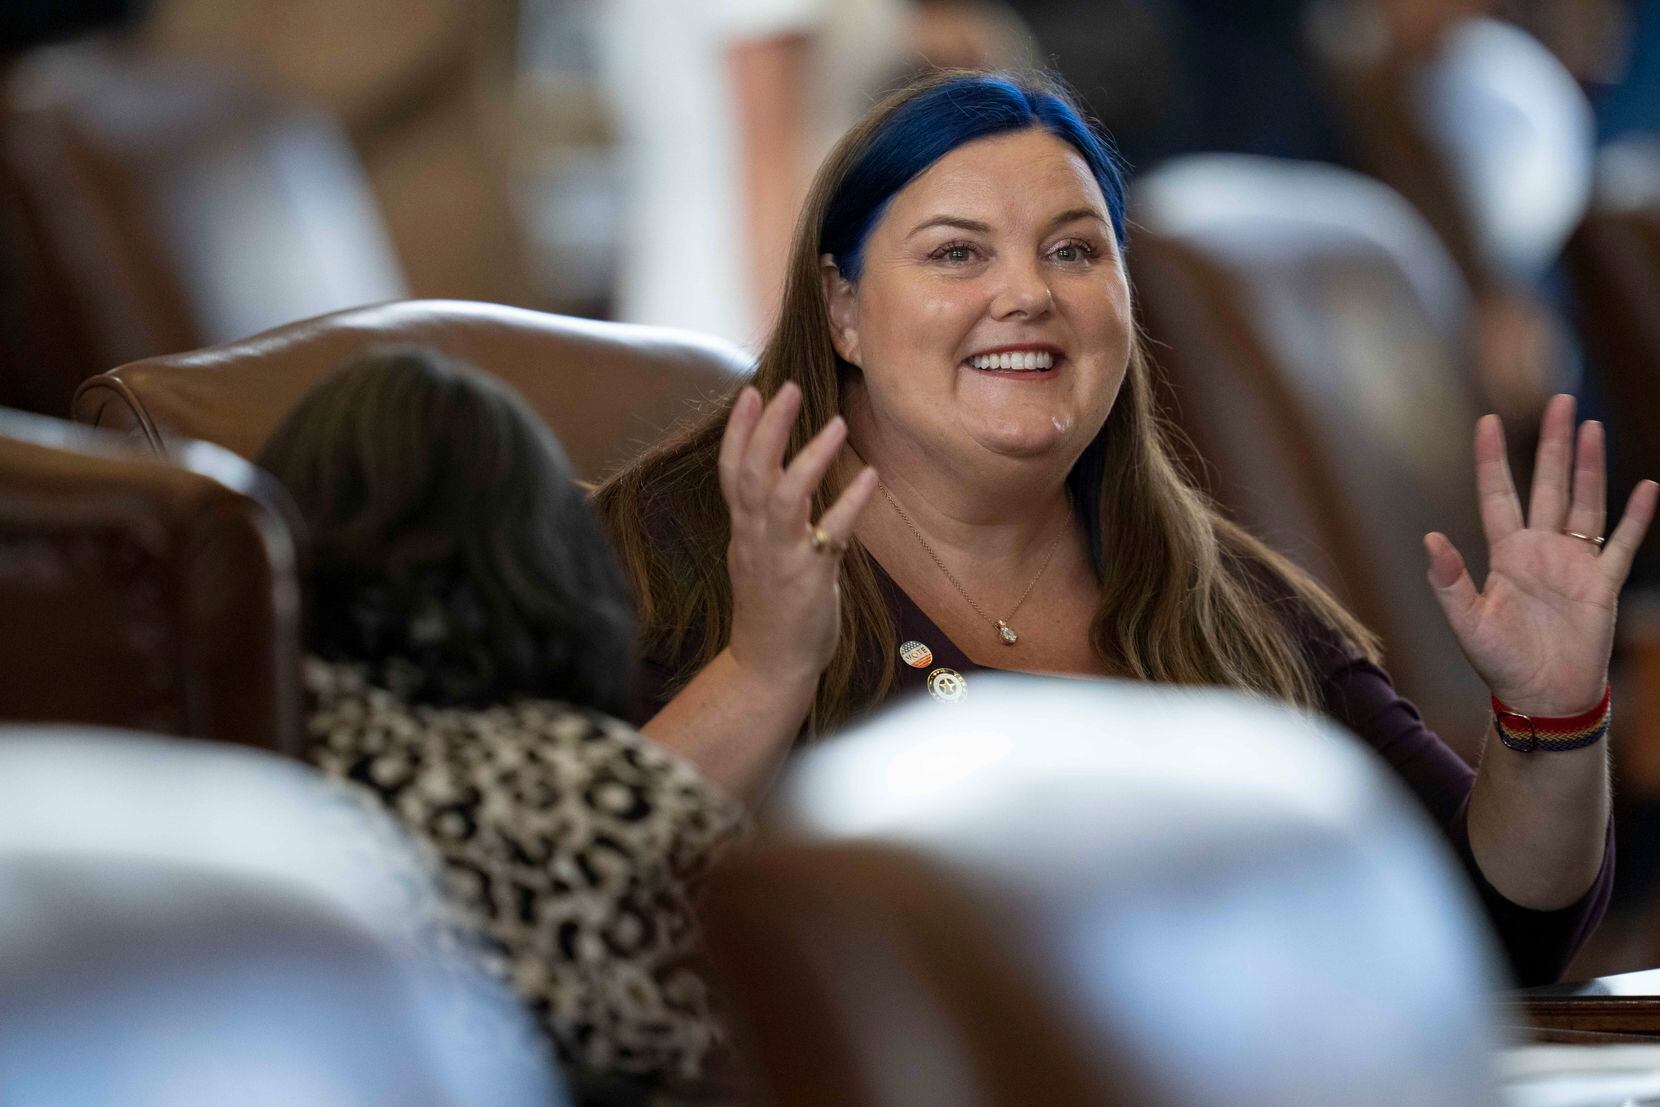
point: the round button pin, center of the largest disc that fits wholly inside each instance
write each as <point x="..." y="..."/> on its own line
<point x="916" y="655"/>
<point x="947" y="685"/>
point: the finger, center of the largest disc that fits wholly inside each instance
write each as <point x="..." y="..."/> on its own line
<point x="764" y="453"/>
<point x="740" y="424"/>
<point x="1621" y="547"/>
<point x="1547" y="507"/>
<point x="1588" y="515"/>
<point x="1450" y="580"/>
<point x="843" y="515"/>
<point x="1501" y="511"/>
<point x="792" y="495"/>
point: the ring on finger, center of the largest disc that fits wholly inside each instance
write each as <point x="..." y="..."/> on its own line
<point x="822" y="542"/>
<point x="1595" y="540"/>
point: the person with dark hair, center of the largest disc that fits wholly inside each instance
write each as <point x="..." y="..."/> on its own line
<point x="452" y="551"/>
<point x="949" y="461"/>
<point x="471" y="646"/>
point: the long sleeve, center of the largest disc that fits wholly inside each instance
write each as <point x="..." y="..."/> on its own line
<point x="1359" y="695"/>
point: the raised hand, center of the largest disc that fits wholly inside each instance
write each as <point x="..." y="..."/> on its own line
<point x="786" y="603"/>
<point x="1540" y="630"/>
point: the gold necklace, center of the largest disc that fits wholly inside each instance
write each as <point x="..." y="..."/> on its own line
<point x="1004" y="630"/>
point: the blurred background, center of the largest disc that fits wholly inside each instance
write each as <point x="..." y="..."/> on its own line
<point x="1358" y="224"/>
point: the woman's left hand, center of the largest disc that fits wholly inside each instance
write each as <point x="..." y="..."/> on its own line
<point x="1541" y="631"/>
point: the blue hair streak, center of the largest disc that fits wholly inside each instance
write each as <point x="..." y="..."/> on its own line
<point x="957" y="111"/>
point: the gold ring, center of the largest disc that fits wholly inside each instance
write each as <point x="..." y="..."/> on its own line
<point x="821" y="542"/>
<point x="1595" y="541"/>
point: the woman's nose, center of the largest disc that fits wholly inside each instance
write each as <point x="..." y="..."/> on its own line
<point x="1023" y="292"/>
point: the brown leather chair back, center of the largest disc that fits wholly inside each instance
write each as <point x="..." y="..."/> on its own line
<point x="148" y="207"/>
<point x="439" y="99"/>
<point x="607" y="389"/>
<point x="141" y="593"/>
<point x="1454" y="128"/>
<point x="1100" y="893"/>
<point x="1614" y="266"/>
<point x="1307" y="320"/>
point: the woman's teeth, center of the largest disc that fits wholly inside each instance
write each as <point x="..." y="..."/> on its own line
<point x="1017" y="361"/>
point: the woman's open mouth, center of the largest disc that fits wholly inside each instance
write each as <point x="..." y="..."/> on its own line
<point x="1026" y="364"/>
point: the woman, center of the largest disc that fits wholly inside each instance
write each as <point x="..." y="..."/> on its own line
<point x="471" y="645"/>
<point x="957" y="320"/>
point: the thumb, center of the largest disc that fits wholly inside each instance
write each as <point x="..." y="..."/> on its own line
<point x="1450" y="580"/>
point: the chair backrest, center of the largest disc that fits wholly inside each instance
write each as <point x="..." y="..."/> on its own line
<point x="189" y="924"/>
<point x="1098" y="892"/>
<point x="607" y="389"/>
<point x="1308" y="322"/>
<point x="145" y="593"/>
<point x="1613" y="264"/>
<point x="1489" y="135"/>
<point x="149" y="207"/>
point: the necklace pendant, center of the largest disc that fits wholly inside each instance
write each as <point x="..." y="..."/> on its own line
<point x="1006" y="632"/>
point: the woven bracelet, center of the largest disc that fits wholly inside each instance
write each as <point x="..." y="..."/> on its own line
<point x="1526" y="733"/>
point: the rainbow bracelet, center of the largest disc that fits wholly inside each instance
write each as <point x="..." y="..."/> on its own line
<point x="1526" y="733"/>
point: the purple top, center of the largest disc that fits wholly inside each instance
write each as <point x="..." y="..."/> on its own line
<point x="1360" y="696"/>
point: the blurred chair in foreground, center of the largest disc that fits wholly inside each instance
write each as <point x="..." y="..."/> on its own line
<point x="191" y="925"/>
<point x="608" y="390"/>
<point x="143" y="593"/>
<point x="147" y="207"/>
<point x="1310" y="327"/>
<point x="1101" y="893"/>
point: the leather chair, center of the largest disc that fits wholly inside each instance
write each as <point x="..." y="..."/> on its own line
<point x="148" y="207"/>
<point x="1455" y="127"/>
<point x="433" y="94"/>
<point x="1613" y="267"/>
<point x="1101" y="893"/>
<point x="607" y="389"/>
<point x="189" y="924"/>
<point x="144" y="593"/>
<point x="1310" y="324"/>
<point x="1613" y="264"/>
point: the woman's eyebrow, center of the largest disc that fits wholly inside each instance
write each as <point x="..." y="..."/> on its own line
<point x="985" y="228"/>
<point x="950" y="221"/>
<point x="1076" y="213"/>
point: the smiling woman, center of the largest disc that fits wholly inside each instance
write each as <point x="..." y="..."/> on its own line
<point x="1006" y="248"/>
<point x="967" y="218"/>
<point x="949" y="461"/>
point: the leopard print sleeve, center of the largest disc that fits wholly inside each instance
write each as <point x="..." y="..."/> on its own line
<point x="567" y="840"/>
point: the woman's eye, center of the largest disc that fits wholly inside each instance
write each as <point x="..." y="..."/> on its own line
<point x="955" y="252"/>
<point x="1073" y="251"/>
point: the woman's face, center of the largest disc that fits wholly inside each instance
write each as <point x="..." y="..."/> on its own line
<point x="992" y="318"/>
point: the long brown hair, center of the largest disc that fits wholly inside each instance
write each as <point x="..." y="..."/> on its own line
<point x="1186" y="596"/>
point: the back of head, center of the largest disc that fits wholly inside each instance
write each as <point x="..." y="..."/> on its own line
<point x="449" y="546"/>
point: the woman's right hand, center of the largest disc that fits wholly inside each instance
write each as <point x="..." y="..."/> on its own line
<point x="786" y="602"/>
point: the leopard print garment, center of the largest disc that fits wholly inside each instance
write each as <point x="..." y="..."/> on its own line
<point x="567" y="840"/>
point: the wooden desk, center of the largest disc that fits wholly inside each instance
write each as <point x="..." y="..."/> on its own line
<point x="1623" y="1008"/>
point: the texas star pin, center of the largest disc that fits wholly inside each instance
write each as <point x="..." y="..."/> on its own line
<point x="947" y="685"/>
